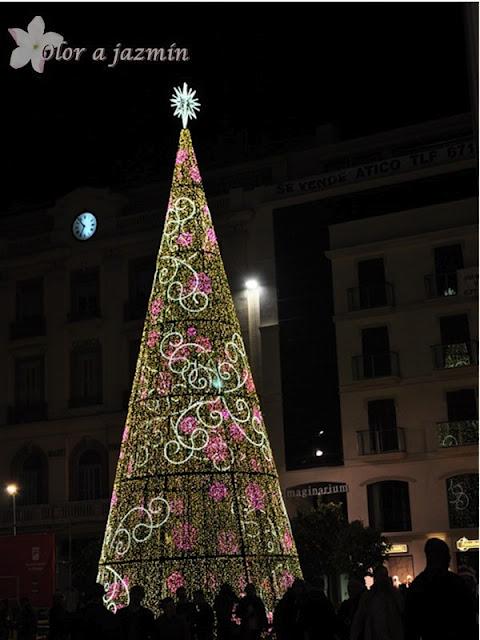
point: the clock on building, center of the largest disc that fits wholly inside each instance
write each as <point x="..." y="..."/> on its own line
<point x="84" y="226"/>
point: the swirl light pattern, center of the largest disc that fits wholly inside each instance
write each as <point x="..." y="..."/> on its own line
<point x="196" y="500"/>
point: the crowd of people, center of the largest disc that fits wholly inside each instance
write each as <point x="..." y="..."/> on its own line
<point x="437" y="605"/>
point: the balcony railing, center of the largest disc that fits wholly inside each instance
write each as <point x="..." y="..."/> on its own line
<point x="439" y="285"/>
<point x="27" y="413"/>
<point x="371" y="296"/>
<point x="27" y="328"/>
<point x="380" y="441"/>
<point x="85" y="401"/>
<point x="457" y="433"/>
<point x="38" y="514"/>
<point x="135" y="309"/>
<point x="87" y="313"/>
<point x="459" y="354"/>
<point x="376" y="365"/>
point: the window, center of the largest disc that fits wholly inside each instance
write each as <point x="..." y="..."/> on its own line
<point x="389" y="506"/>
<point x="29" y="319"/>
<point x="30" y="470"/>
<point x="376" y="352"/>
<point x="382" y="423"/>
<point x="371" y="282"/>
<point x="462" y="496"/>
<point x="91" y="471"/>
<point x="456" y="349"/>
<point x="140" y="280"/>
<point x="86" y="374"/>
<point x="85" y="294"/>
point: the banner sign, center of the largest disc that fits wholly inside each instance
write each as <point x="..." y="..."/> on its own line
<point x="27" y="568"/>
<point x="315" y="489"/>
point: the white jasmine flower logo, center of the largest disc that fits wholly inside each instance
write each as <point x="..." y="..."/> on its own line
<point x="31" y="45"/>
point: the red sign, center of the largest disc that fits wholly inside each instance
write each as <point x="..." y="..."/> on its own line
<point x="27" y="567"/>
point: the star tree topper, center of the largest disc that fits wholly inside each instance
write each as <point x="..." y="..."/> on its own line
<point x="185" y="103"/>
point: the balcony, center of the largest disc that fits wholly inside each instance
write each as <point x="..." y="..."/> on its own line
<point x="86" y="313"/>
<point x="49" y="514"/>
<point x="135" y="309"/>
<point x="27" y="413"/>
<point x="457" y="433"/>
<point x="371" y="296"/>
<point x="439" y="285"/>
<point x="85" y="401"/>
<point x="27" y="328"/>
<point x="375" y="441"/>
<point x="378" y="365"/>
<point x="452" y="356"/>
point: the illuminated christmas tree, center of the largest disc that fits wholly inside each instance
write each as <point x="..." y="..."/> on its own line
<point x="196" y="500"/>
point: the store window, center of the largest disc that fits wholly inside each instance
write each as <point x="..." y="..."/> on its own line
<point x="462" y="496"/>
<point x="389" y="506"/>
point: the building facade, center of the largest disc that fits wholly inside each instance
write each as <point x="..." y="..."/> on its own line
<point x="73" y="310"/>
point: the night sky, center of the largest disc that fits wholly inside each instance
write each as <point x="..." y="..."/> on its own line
<point x="269" y="70"/>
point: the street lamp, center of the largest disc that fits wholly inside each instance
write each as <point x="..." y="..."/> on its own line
<point x="251" y="284"/>
<point x="12" y="490"/>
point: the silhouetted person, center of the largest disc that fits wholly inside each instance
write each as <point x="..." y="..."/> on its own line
<point x="3" y="619"/>
<point x="439" y="605"/>
<point x="348" y="608"/>
<point x="224" y="605"/>
<point x="380" y="612"/>
<point x="136" y="621"/>
<point x="252" y="614"/>
<point x="169" y="625"/>
<point x="316" y="615"/>
<point x="94" y="621"/>
<point x="185" y="607"/>
<point x="26" y="621"/>
<point x="285" y="616"/>
<point x="204" y="617"/>
<point x="58" y="619"/>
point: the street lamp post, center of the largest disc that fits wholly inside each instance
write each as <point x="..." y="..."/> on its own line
<point x="12" y="490"/>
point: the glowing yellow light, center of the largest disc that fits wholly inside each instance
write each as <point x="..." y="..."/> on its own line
<point x="251" y="284"/>
<point x="11" y="489"/>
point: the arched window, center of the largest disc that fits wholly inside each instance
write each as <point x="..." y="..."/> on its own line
<point x="89" y="477"/>
<point x="30" y="470"/>
<point x="389" y="506"/>
<point x="462" y="496"/>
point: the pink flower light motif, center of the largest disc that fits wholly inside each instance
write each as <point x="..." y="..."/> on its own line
<point x="270" y="617"/>
<point x="236" y="432"/>
<point x="116" y="587"/>
<point x="125" y="433"/>
<point x="249" y="384"/>
<point x="156" y="307"/>
<point x="114" y="499"/>
<point x="242" y="583"/>
<point x="200" y="282"/>
<point x="215" y="405"/>
<point x="287" y="541"/>
<point x="218" y="491"/>
<point x="227" y="542"/>
<point x="210" y="236"/>
<point x="184" y="536"/>
<point x="130" y="468"/>
<point x="206" y="210"/>
<point x="188" y="425"/>
<point x="176" y="506"/>
<point x="225" y="413"/>
<point x="164" y="383"/>
<point x="191" y="332"/>
<point x="174" y="581"/>
<point x="195" y="174"/>
<point x="286" y="580"/>
<point x="143" y="394"/>
<point x="185" y="239"/>
<point x="255" y="496"/>
<point x="152" y="339"/>
<point x="182" y="155"/>
<point x="257" y="414"/>
<point x="204" y="342"/>
<point x="216" y="449"/>
<point x="255" y="465"/>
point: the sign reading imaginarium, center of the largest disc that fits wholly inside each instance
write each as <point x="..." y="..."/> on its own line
<point x="315" y="489"/>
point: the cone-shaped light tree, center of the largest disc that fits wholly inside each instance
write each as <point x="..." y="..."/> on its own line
<point x="196" y="500"/>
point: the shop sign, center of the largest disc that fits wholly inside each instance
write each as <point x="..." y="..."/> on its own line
<point x="464" y="544"/>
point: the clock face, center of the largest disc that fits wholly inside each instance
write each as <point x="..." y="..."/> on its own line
<point x="84" y="226"/>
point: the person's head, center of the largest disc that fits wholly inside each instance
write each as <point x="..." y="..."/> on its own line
<point x="250" y="590"/>
<point x="198" y="596"/>
<point x="226" y="590"/>
<point x="181" y="593"/>
<point x="381" y="579"/>
<point x="137" y="594"/>
<point x="168" y="606"/>
<point x="437" y="554"/>
<point x="298" y="587"/>
<point x="355" y="587"/>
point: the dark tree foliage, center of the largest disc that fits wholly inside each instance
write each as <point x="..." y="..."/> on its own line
<point x="330" y="545"/>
